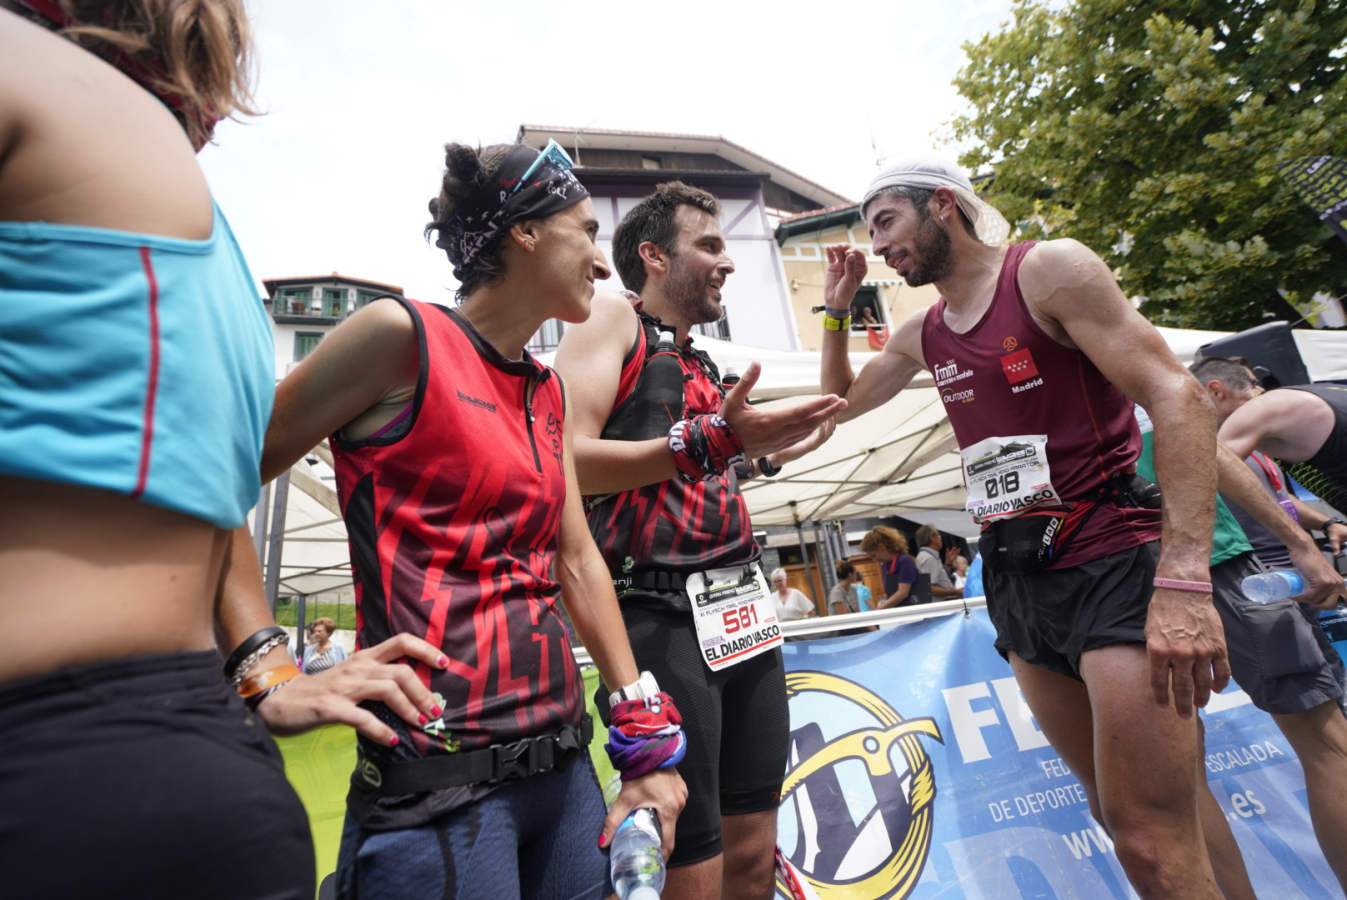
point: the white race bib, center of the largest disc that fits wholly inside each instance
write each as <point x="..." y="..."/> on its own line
<point x="1006" y="476"/>
<point x="734" y="614"/>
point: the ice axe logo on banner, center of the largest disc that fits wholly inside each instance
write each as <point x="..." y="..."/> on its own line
<point x="856" y="812"/>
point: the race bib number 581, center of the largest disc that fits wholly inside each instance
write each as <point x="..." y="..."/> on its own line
<point x="734" y="614"/>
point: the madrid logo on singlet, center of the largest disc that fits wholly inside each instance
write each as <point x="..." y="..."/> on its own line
<point x="1019" y="368"/>
<point x="857" y="802"/>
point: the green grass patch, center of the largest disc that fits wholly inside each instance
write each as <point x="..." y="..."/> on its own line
<point x="287" y="609"/>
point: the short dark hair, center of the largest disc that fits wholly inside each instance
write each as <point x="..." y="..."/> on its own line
<point x="845" y="571"/>
<point x="1231" y="371"/>
<point x="919" y="198"/>
<point x="653" y="220"/>
<point x="925" y="533"/>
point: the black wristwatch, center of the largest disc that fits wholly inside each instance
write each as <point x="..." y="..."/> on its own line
<point x="766" y="469"/>
<point x="1331" y="522"/>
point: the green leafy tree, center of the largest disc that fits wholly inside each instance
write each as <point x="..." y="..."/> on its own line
<point x="1152" y="133"/>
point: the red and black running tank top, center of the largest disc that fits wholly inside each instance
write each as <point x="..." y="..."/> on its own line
<point x="452" y="516"/>
<point x="1006" y="377"/>
<point x="670" y="526"/>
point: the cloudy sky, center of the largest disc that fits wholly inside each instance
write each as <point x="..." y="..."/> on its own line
<point x="359" y="98"/>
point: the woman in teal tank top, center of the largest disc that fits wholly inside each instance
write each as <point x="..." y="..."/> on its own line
<point x="136" y="378"/>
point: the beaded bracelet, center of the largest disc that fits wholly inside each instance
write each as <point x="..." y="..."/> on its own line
<point x="1174" y="584"/>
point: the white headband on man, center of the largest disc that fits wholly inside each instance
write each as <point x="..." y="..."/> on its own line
<point x="930" y="172"/>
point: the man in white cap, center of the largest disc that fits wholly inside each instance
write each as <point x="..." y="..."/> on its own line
<point x="1038" y="358"/>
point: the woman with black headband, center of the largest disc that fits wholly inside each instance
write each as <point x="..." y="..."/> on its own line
<point x="456" y="481"/>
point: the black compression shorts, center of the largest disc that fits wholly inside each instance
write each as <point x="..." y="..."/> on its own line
<point x="737" y="724"/>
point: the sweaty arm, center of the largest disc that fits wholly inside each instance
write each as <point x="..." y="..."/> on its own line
<point x="881" y="378"/>
<point x="587" y="593"/>
<point x="590" y="360"/>
<point x="1074" y="297"/>
<point x="1287" y="424"/>
<point x="316" y="399"/>
<point x="1323" y="583"/>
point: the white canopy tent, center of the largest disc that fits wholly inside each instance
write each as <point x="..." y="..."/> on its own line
<point x="899" y="459"/>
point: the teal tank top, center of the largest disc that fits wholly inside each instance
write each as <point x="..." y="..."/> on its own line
<point x="137" y="364"/>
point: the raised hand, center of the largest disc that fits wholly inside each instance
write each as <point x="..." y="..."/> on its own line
<point x="846" y="270"/>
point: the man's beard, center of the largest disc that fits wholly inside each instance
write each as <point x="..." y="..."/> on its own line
<point x="690" y="295"/>
<point x="933" y="249"/>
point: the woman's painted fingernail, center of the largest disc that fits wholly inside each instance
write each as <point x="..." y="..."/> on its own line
<point x="437" y="710"/>
<point x="602" y="842"/>
<point x="444" y="662"/>
<point x="394" y="741"/>
<point x="421" y="718"/>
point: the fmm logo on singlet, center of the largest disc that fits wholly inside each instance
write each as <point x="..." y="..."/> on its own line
<point x="473" y="401"/>
<point x="1019" y="366"/>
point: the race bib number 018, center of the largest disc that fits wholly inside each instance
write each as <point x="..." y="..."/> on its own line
<point x="734" y="615"/>
<point x="1006" y="476"/>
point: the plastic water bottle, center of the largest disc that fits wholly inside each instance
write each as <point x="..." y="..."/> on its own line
<point x="1265" y="587"/>
<point x="635" y="860"/>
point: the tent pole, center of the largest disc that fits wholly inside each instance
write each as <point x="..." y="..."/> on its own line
<point x="273" y="572"/>
<point x="827" y="562"/>
<point x="804" y="552"/>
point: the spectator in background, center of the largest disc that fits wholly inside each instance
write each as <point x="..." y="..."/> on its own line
<point x="790" y="603"/>
<point x="960" y="573"/>
<point x="842" y="598"/>
<point x="323" y="653"/>
<point x="888" y="547"/>
<point x="929" y="561"/>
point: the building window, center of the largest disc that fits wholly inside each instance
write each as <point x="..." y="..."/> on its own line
<point x="334" y="302"/>
<point x="866" y="310"/>
<point x="305" y="341"/>
<point x="650" y="162"/>
<point x="364" y="298"/>
<point x="719" y="329"/>
<point x="547" y="338"/>
<point x="294" y="301"/>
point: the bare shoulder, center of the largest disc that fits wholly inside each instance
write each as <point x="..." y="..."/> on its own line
<point x="1063" y="263"/>
<point x="611" y="326"/>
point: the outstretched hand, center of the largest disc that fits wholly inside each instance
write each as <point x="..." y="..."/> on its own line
<point x="1186" y="646"/>
<point x="762" y="432"/>
<point x="846" y="270"/>
<point x="662" y="790"/>
<point x="376" y="673"/>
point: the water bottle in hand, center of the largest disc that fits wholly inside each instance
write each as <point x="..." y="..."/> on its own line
<point x="635" y="860"/>
<point x="1265" y="587"/>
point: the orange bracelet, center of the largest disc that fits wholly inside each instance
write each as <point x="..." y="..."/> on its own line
<point x="256" y="684"/>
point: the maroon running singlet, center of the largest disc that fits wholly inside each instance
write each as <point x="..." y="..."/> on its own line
<point x="453" y="513"/>
<point x="1005" y="378"/>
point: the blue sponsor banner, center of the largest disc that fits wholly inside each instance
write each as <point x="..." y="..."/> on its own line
<point x="916" y="770"/>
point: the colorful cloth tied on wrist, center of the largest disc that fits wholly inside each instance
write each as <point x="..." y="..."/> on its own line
<point x="526" y="185"/>
<point x="704" y="447"/>
<point x="645" y="735"/>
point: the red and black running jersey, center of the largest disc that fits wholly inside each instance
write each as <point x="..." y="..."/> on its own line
<point x="1006" y="377"/>
<point x="672" y="525"/>
<point x="452" y="515"/>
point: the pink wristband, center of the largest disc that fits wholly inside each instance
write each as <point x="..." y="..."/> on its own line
<point x="1193" y="587"/>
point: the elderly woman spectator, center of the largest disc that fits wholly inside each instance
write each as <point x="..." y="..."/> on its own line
<point x="323" y="653"/>
<point x="790" y="603"/>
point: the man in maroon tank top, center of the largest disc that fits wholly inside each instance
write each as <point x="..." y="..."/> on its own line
<point x="1038" y="355"/>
